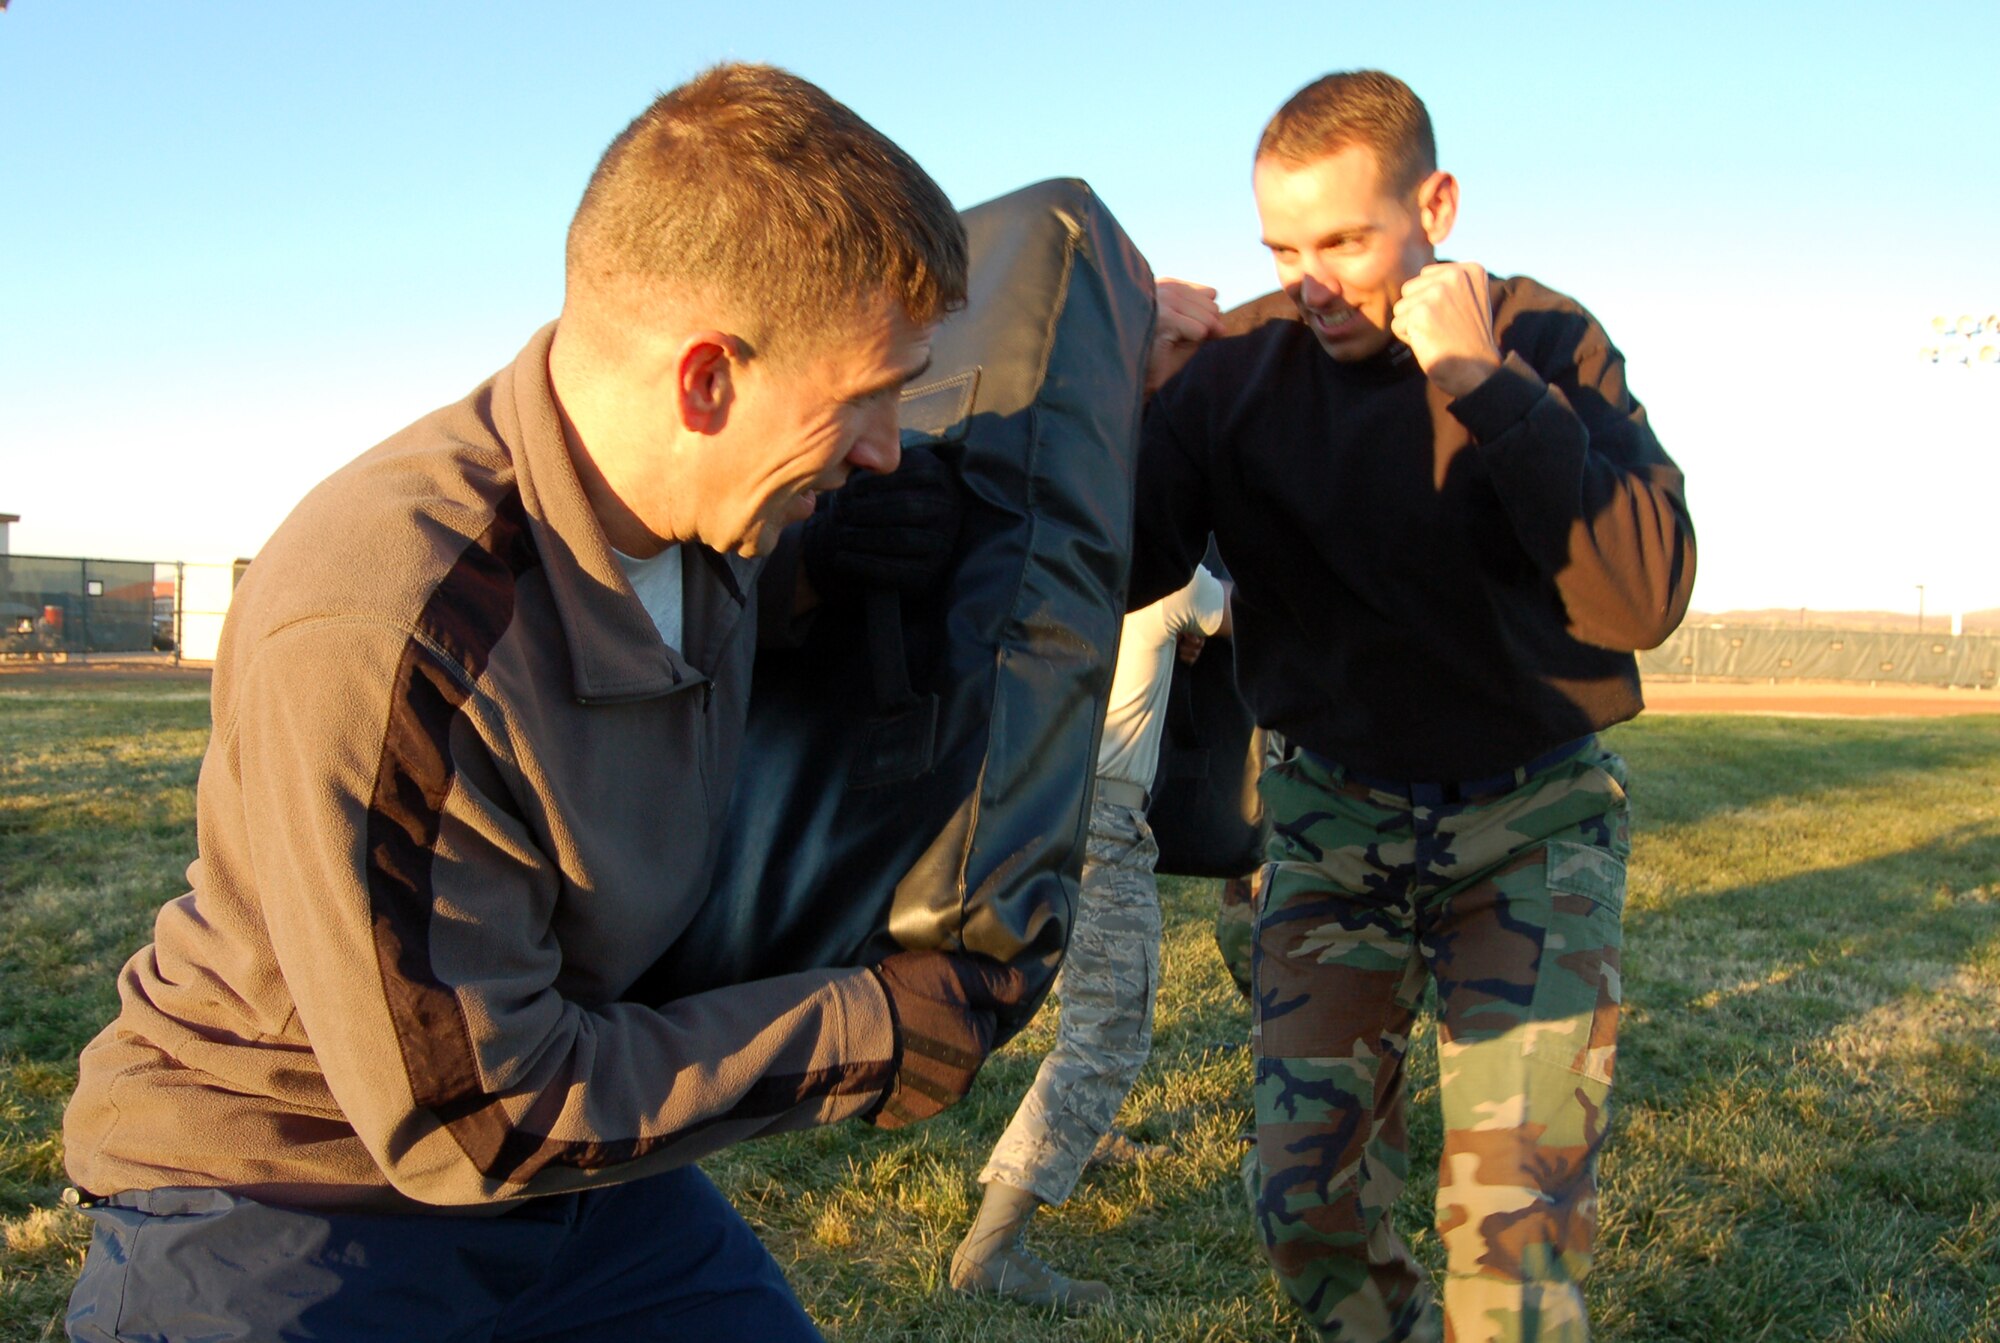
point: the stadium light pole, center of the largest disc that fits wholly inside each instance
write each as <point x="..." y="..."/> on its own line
<point x="1920" y="608"/>
<point x="1969" y="342"/>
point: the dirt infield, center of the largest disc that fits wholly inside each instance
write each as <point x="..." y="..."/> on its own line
<point x="1817" y="699"/>
<point x="80" y="674"/>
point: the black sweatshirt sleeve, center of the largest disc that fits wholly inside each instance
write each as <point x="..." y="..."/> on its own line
<point x="1594" y="499"/>
<point x="1170" y="523"/>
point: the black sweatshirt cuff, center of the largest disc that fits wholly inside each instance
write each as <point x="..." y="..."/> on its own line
<point x="1502" y="401"/>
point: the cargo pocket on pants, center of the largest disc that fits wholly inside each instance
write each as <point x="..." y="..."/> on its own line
<point x="1577" y="982"/>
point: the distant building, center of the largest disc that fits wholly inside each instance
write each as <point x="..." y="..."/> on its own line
<point x="6" y="519"/>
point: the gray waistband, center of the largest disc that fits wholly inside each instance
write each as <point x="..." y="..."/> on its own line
<point x="1122" y="794"/>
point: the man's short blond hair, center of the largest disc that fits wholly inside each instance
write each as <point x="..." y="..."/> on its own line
<point x="1356" y="107"/>
<point x="753" y="193"/>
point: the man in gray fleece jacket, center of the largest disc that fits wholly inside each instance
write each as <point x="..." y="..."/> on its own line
<point x="476" y="717"/>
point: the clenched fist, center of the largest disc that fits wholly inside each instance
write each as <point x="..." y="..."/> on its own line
<point x="1445" y="316"/>
<point x="946" y="1010"/>
<point x="1185" y="316"/>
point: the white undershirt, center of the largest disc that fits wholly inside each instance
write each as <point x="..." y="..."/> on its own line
<point x="1129" y="750"/>
<point x="657" y="581"/>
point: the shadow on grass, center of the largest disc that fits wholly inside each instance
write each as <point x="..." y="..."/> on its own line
<point x="92" y="786"/>
<point x="1888" y="910"/>
<point x="1828" y="1123"/>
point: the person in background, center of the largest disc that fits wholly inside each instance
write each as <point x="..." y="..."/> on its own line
<point x="1110" y="975"/>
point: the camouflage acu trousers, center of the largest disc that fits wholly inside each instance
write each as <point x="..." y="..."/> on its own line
<point x="1109" y="976"/>
<point x="1512" y="902"/>
<point x="1235" y="915"/>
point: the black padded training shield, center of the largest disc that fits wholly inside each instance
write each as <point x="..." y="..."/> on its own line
<point x="1206" y="812"/>
<point x="916" y="774"/>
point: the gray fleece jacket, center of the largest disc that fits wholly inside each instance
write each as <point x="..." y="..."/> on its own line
<point x="458" y="796"/>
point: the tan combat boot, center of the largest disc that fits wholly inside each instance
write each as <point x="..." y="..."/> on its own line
<point x="992" y="1261"/>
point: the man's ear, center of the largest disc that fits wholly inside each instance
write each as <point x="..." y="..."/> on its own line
<point x="705" y="369"/>
<point x="1437" y="206"/>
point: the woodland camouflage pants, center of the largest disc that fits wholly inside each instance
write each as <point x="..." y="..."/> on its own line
<point x="1509" y="894"/>
<point x="1236" y="915"/>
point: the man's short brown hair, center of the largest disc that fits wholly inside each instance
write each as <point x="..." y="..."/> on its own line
<point x="1356" y="107"/>
<point x="754" y="192"/>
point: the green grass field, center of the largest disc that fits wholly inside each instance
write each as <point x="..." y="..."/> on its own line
<point x="1807" y="1141"/>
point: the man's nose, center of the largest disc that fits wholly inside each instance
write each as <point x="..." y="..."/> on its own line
<point x="880" y="446"/>
<point x="1314" y="291"/>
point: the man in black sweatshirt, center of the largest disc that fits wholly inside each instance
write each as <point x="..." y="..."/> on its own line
<point x="1450" y="526"/>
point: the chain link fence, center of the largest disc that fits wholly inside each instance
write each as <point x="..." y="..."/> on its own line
<point x="1744" y="653"/>
<point x="60" y="608"/>
<point x="54" y="607"/>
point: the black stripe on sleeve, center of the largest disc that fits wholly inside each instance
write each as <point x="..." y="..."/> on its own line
<point x="468" y="614"/>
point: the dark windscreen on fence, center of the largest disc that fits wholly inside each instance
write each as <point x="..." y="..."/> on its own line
<point x="51" y="605"/>
<point x="1827" y="655"/>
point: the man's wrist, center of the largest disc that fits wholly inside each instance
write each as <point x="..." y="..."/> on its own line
<point x="1501" y="401"/>
<point x="881" y="985"/>
<point x="1462" y="376"/>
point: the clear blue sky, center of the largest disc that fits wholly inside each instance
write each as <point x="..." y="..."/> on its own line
<point x="239" y="243"/>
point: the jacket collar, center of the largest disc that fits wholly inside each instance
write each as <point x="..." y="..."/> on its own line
<point x="614" y="650"/>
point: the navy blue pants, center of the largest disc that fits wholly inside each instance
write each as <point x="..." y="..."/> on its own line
<point x="660" y="1258"/>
